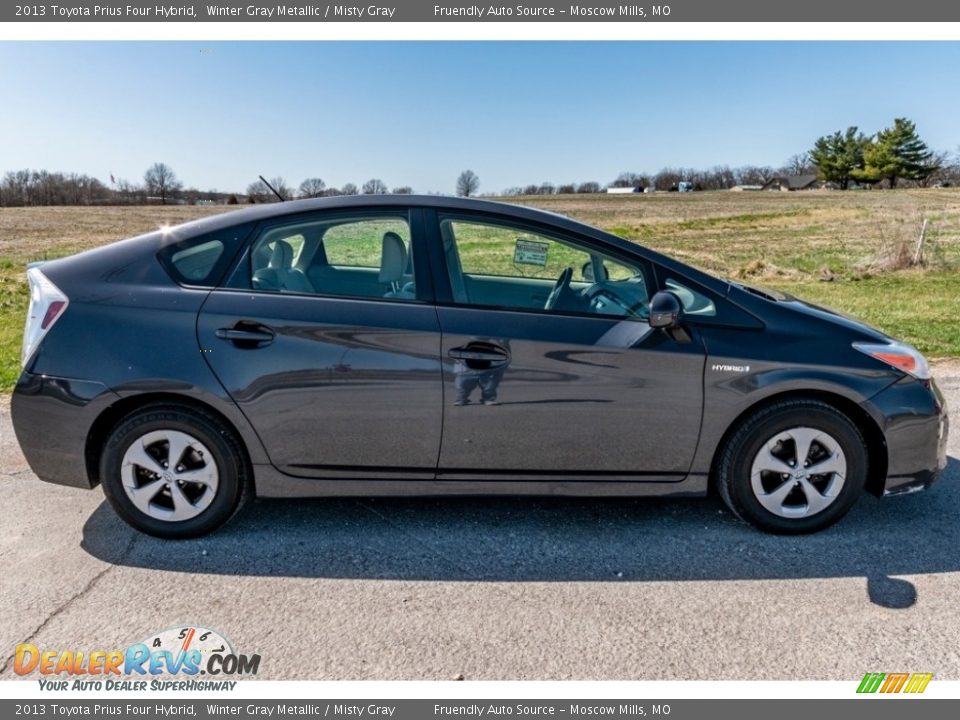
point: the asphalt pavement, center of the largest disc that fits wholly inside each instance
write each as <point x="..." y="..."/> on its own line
<point x="502" y="588"/>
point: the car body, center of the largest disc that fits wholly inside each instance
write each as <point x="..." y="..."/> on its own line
<point x="393" y="345"/>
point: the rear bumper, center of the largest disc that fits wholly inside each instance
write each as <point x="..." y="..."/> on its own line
<point x="52" y="418"/>
<point x="915" y="424"/>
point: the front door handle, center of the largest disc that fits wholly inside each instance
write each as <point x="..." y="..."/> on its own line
<point x="492" y="355"/>
<point x="247" y="335"/>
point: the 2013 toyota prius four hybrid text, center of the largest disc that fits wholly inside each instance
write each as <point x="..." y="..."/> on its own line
<point x="395" y="345"/>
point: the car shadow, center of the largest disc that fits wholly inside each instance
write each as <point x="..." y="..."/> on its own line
<point x="554" y="539"/>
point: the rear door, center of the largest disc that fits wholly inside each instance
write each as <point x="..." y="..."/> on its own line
<point x="329" y="343"/>
<point x="546" y="379"/>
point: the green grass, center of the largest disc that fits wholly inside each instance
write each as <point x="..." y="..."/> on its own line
<point x="13" y="309"/>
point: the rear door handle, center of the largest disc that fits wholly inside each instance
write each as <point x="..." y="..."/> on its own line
<point x="485" y="355"/>
<point x="256" y="336"/>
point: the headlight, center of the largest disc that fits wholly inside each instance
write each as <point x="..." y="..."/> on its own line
<point x="899" y="355"/>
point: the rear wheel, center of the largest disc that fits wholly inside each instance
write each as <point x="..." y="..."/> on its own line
<point x="796" y="466"/>
<point x="173" y="472"/>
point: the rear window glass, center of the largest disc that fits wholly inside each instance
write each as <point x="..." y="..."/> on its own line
<point x="203" y="260"/>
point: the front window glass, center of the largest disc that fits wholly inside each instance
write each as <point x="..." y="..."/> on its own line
<point x="506" y="266"/>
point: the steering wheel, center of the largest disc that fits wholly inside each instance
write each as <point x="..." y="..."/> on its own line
<point x="561" y="286"/>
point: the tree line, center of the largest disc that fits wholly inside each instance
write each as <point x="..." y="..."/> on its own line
<point x="893" y="157"/>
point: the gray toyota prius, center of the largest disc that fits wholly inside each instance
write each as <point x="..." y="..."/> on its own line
<point x="404" y="345"/>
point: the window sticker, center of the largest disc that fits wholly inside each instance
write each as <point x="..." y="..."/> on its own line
<point x="530" y="252"/>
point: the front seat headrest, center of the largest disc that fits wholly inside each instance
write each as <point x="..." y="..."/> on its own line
<point x="393" y="258"/>
<point x="282" y="257"/>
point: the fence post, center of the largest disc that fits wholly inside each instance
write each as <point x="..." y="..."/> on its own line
<point x="918" y="254"/>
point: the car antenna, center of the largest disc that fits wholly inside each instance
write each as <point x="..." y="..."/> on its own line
<point x="282" y="198"/>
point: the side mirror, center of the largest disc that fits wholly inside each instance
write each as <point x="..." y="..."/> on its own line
<point x="665" y="310"/>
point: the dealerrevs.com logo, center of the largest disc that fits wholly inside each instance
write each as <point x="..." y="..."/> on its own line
<point x="184" y="652"/>
<point x="912" y="683"/>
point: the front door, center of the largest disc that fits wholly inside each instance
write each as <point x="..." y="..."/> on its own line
<point x="550" y="368"/>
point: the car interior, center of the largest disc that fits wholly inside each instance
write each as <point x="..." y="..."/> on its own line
<point x="351" y="258"/>
<point x="534" y="272"/>
<point x="489" y="265"/>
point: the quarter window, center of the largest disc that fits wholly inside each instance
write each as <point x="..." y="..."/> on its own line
<point x="201" y="261"/>
<point x="694" y="303"/>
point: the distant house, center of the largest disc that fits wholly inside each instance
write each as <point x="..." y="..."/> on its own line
<point x="622" y="190"/>
<point x="793" y="182"/>
<point x="746" y="188"/>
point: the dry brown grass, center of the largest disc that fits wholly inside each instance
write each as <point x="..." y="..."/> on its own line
<point x="32" y="233"/>
<point x="790" y="233"/>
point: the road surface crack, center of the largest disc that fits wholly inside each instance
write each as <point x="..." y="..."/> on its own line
<point x="74" y="598"/>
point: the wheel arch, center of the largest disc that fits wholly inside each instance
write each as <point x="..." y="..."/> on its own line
<point x="111" y="416"/>
<point x="876" y="445"/>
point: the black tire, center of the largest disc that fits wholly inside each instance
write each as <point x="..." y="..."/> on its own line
<point x="734" y="464"/>
<point x="233" y="484"/>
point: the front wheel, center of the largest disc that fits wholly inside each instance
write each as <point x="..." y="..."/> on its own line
<point x="794" y="467"/>
<point x="173" y="472"/>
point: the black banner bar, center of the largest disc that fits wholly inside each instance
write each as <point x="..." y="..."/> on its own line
<point x="529" y="11"/>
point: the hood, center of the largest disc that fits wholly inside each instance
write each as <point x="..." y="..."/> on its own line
<point x="807" y="310"/>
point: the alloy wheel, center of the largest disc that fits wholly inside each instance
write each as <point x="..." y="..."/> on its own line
<point x="798" y="472"/>
<point x="169" y="475"/>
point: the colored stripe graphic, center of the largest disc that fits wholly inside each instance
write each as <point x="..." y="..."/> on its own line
<point x="918" y="682"/>
<point x="894" y="682"/>
<point x="870" y="683"/>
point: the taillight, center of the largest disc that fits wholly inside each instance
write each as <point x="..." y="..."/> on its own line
<point x="899" y="355"/>
<point x="47" y="304"/>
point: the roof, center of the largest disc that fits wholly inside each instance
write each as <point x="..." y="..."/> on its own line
<point x="792" y="182"/>
<point x="268" y="211"/>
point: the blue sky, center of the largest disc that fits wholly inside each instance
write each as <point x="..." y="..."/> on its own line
<point x="417" y="113"/>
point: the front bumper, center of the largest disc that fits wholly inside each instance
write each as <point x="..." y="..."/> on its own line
<point x="52" y="418"/>
<point x="913" y="417"/>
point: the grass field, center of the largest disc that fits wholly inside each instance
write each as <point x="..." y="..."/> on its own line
<point x="791" y="241"/>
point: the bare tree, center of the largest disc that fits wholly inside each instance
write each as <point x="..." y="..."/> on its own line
<point x="280" y="185"/>
<point x="375" y="186"/>
<point x="946" y="173"/>
<point x="41" y="187"/>
<point x="588" y="187"/>
<point x="668" y="179"/>
<point x="348" y="189"/>
<point x="630" y="179"/>
<point x="161" y="181"/>
<point x="128" y="193"/>
<point x="260" y="192"/>
<point x="753" y="175"/>
<point x="468" y="183"/>
<point x="312" y="188"/>
<point x="403" y="190"/>
<point x="799" y="164"/>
